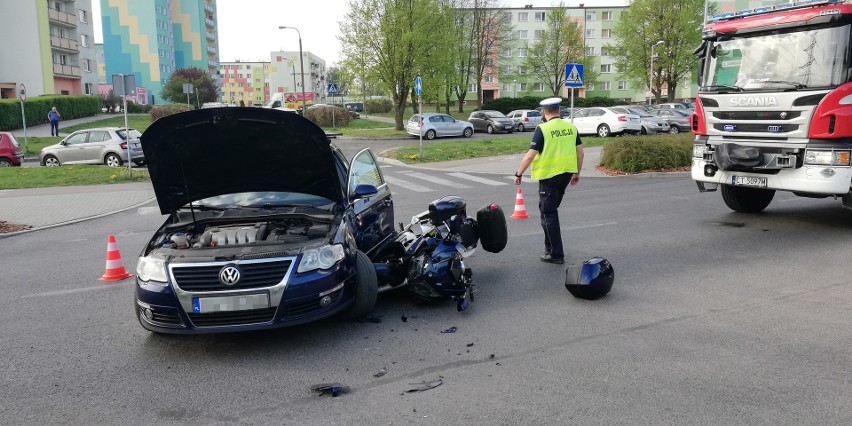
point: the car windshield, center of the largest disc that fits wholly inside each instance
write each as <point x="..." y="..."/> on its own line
<point x="533" y="114"/>
<point x="264" y="200"/>
<point x="811" y="58"/>
<point x="414" y="118"/>
<point x="494" y="114"/>
<point x="133" y="134"/>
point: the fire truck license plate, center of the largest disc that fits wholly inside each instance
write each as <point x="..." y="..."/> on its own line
<point x="759" y="182"/>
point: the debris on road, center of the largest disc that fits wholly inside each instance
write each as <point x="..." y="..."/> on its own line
<point x="6" y="227"/>
<point x="404" y="318"/>
<point x="424" y="385"/>
<point x="452" y="329"/>
<point x="381" y="372"/>
<point x="469" y="344"/>
<point x="333" y="389"/>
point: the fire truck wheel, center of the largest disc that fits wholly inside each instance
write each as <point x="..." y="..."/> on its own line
<point x="746" y="200"/>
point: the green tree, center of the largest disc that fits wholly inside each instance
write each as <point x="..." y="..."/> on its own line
<point x="677" y="23"/>
<point x="206" y="86"/>
<point x="560" y="44"/>
<point x="395" y="35"/>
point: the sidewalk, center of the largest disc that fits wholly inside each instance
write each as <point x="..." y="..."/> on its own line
<point x="43" y="130"/>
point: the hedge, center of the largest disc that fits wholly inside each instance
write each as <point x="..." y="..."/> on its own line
<point x="169" y="109"/>
<point x="38" y="107"/>
<point x="378" y="106"/>
<point x="322" y="116"/>
<point x="505" y="105"/>
<point x="633" y="154"/>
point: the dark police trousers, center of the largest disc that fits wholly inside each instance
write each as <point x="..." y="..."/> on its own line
<point x="550" y="192"/>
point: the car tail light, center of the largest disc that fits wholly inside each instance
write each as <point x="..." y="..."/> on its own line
<point x="622" y="118"/>
<point x="123" y="145"/>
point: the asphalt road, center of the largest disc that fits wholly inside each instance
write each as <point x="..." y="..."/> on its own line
<point x="715" y="318"/>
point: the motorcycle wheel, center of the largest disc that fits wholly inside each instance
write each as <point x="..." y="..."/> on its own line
<point x="366" y="288"/>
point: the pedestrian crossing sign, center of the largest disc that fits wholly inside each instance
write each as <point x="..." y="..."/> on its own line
<point x="573" y="75"/>
<point x="332" y="89"/>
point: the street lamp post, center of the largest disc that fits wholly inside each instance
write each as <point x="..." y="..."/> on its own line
<point x="301" y="63"/>
<point x="515" y="88"/>
<point x="651" y="76"/>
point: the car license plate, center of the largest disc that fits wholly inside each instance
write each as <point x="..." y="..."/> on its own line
<point x="203" y="305"/>
<point x="759" y="182"/>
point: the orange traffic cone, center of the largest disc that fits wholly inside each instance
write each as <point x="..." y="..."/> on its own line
<point x="114" y="267"/>
<point x="520" y="207"/>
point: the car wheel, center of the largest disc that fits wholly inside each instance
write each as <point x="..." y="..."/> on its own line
<point x="490" y="129"/>
<point x="521" y="127"/>
<point x="5" y="162"/>
<point x="139" y="163"/>
<point x="747" y="200"/>
<point x="468" y="132"/>
<point x="674" y="130"/>
<point x="643" y="131"/>
<point x="366" y="288"/>
<point x="603" y="130"/>
<point x="51" y="161"/>
<point x="430" y="135"/>
<point x="112" y="160"/>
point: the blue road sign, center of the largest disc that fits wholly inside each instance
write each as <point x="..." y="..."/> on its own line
<point x="418" y="85"/>
<point x="573" y="75"/>
<point x="332" y="89"/>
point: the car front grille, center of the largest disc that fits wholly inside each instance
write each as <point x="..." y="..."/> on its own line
<point x="220" y="319"/>
<point x="252" y="275"/>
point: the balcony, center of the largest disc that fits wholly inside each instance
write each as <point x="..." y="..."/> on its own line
<point x="211" y="36"/>
<point x="211" y="50"/>
<point x="212" y="63"/>
<point x="60" y="43"/>
<point x="210" y="23"/>
<point x="209" y="8"/>
<point x="62" y="18"/>
<point x="66" y="70"/>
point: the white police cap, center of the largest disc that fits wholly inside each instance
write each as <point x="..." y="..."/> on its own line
<point x="551" y="102"/>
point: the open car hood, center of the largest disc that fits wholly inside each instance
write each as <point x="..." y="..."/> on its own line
<point x="214" y="151"/>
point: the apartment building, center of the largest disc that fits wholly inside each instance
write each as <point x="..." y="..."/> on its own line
<point x="153" y="38"/>
<point x="53" y="45"/>
<point x="245" y="81"/>
<point x="285" y="75"/>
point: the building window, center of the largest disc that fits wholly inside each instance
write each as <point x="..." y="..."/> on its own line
<point x="539" y="16"/>
<point x="590" y="33"/>
<point x="522" y="70"/>
<point x="506" y="52"/>
<point x="489" y="78"/>
<point x="522" y="52"/>
<point x="606" y="16"/>
<point x="606" y="33"/>
<point x="606" y="68"/>
<point x="622" y="85"/>
<point x="87" y="88"/>
<point x="522" y="34"/>
<point x="604" y="51"/>
<point x="590" y="51"/>
<point x="507" y="17"/>
<point x="590" y="87"/>
<point x="505" y="69"/>
<point x="539" y="34"/>
<point x="506" y="35"/>
<point x="472" y="88"/>
<point x="605" y="85"/>
<point x="523" y="17"/>
<point x="522" y="87"/>
<point x="590" y="16"/>
<point x="87" y="65"/>
<point x="84" y="18"/>
<point x="538" y="87"/>
<point x="84" y="40"/>
<point x="489" y="62"/>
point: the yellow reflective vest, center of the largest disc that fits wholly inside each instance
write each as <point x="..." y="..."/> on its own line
<point x="560" y="150"/>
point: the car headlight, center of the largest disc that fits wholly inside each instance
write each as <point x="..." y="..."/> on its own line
<point x="698" y="151"/>
<point x="322" y="258"/>
<point x="151" y="269"/>
<point x="827" y="158"/>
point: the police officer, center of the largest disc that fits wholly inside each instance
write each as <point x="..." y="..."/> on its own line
<point x="556" y="156"/>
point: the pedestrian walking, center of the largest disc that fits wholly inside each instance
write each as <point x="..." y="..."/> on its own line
<point x="54" y="117"/>
<point x="556" y="157"/>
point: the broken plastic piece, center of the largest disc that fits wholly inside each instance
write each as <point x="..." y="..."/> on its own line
<point x="333" y="389"/>
<point x="469" y="344"/>
<point x="381" y="372"/>
<point x="424" y="385"/>
<point x="450" y="330"/>
<point x="404" y="318"/>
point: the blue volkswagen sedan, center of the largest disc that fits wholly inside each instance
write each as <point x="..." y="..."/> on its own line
<point x="268" y="224"/>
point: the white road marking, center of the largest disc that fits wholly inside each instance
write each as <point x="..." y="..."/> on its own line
<point x="437" y="180"/>
<point x="476" y="179"/>
<point x="394" y="181"/>
<point x="106" y="286"/>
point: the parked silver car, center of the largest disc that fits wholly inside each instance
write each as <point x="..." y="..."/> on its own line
<point x="434" y="125"/>
<point x="525" y="119"/>
<point x="679" y="120"/>
<point x="103" y="145"/>
<point x="650" y="123"/>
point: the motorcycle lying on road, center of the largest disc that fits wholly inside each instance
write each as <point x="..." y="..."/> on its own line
<point x="427" y="256"/>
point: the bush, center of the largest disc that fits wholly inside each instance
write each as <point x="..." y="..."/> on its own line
<point x="165" y="110"/>
<point x="505" y="105"/>
<point x="323" y="116"/>
<point x="634" y="154"/>
<point x="134" y="108"/>
<point x="38" y="107"/>
<point x="378" y="106"/>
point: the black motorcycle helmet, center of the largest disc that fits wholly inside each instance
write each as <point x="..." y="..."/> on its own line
<point x="590" y="280"/>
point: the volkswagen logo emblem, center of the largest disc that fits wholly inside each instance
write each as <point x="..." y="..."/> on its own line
<point x="229" y="275"/>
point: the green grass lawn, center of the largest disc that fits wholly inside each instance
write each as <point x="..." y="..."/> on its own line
<point x="38" y="177"/>
<point x="138" y="122"/>
<point x="35" y="144"/>
<point x="475" y="148"/>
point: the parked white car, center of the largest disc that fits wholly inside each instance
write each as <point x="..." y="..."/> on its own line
<point x="525" y="119"/>
<point x="605" y="122"/>
<point x="435" y="125"/>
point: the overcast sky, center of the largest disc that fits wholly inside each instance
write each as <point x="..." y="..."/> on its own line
<point x="248" y="29"/>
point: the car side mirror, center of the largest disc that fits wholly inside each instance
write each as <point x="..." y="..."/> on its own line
<point x="364" y="191"/>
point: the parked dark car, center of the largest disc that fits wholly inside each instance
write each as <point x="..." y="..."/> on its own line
<point x="10" y="150"/>
<point x="679" y="120"/>
<point x="491" y="122"/>
<point x="272" y="239"/>
<point x="650" y="123"/>
<point x="355" y="106"/>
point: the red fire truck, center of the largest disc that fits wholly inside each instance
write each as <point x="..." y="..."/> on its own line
<point x="774" y="108"/>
